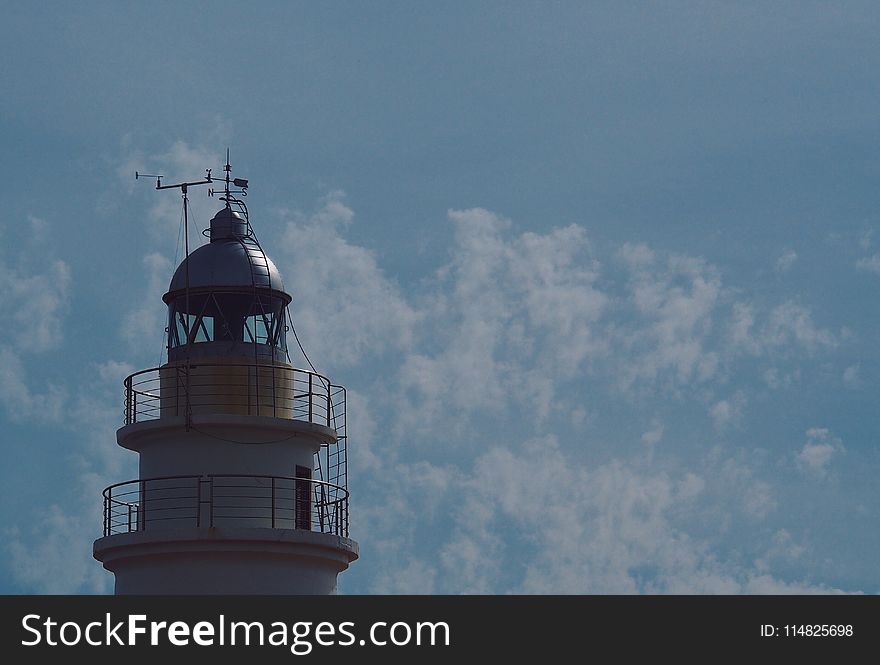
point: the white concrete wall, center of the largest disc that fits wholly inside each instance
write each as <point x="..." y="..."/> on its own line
<point x="223" y="444"/>
<point x="225" y="561"/>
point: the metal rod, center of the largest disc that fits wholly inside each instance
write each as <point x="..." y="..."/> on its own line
<point x="189" y="334"/>
<point x="143" y="513"/>
<point x="128" y="400"/>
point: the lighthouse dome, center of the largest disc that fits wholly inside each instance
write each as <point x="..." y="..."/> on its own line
<point x="231" y="259"/>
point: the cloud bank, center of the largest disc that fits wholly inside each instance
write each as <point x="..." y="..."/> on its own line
<point x="537" y="415"/>
<point x="477" y="467"/>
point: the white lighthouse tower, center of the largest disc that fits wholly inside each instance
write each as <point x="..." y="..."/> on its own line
<point x="242" y="485"/>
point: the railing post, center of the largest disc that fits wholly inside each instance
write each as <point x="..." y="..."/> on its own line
<point x="143" y="512"/>
<point x="129" y="518"/>
<point x="273" y="502"/>
<point x="310" y="396"/>
<point x="105" y="514"/>
<point x="128" y="409"/>
<point x="328" y="404"/>
<point x="320" y="501"/>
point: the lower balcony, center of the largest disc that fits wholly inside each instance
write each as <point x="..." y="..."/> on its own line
<point x="228" y="501"/>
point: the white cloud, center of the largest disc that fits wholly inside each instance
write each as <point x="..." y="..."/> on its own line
<point x="38" y="304"/>
<point x="851" y="378"/>
<point x="818" y="451"/>
<point x="490" y="335"/>
<point x="690" y="486"/>
<point x="741" y="328"/>
<point x="345" y="309"/>
<point x="786" y="260"/>
<point x="34" y="299"/>
<point x="413" y="577"/>
<point x="55" y="557"/>
<point x="20" y="403"/>
<point x="579" y="417"/>
<point x="359" y="418"/>
<point x="510" y="317"/>
<point x="790" y="322"/>
<point x="555" y="279"/>
<point x="721" y="412"/>
<point x="765" y="585"/>
<point x="53" y="553"/>
<point x="735" y="476"/>
<point x="34" y="290"/>
<point x="869" y="263"/>
<point x="674" y="303"/>
<point x="654" y="434"/>
<point x="637" y="256"/>
<point x="143" y="324"/>
<point x="786" y="329"/>
<point x="528" y="519"/>
<point x="775" y="379"/>
<point x="727" y="411"/>
<point x="782" y="548"/>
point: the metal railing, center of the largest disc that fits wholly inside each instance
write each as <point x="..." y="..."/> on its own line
<point x="232" y="388"/>
<point x="277" y="502"/>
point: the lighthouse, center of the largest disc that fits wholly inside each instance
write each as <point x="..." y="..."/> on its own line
<point x="242" y="483"/>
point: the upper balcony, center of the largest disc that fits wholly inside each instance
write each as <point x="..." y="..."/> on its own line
<point x="236" y="389"/>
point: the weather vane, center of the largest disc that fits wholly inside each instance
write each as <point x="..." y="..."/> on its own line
<point x="241" y="183"/>
<point x="228" y="192"/>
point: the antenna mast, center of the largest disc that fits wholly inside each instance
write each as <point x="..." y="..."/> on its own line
<point x="184" y="188"/>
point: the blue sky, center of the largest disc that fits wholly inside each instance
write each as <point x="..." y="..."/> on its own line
<point x="601" y="279"/>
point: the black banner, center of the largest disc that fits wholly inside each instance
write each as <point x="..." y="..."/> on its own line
<point x="433" y="628"/>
